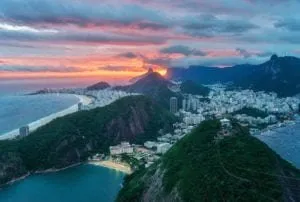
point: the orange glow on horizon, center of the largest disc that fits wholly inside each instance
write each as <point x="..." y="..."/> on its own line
<point x="103" y="74"/>
<point x="162" y="72"/>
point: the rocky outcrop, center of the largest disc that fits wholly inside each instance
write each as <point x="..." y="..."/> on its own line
<point x="11" y="167"/>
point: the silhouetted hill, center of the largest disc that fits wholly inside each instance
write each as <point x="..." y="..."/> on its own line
<point x="209" y="75"/>
<point x="190" y="87"/>
<point x="98" y="86"/>
<point x="199" y="168"/>
<point x="279" y="74"/>
<point x="135" y="79"/>
<point x="154" y="86"/>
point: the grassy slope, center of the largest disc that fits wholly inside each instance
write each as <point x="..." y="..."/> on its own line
<point x="232" y="170"/>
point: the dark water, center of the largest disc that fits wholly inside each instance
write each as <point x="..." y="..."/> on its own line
<point x="85" y="183"/>
<point x="285" y="141"/>
<point x="18" y="110"/>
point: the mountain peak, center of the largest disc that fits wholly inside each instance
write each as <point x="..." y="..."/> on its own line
<point x="150" y="70"/>
<point x="274" y="57"/>
<point x="153" y="77"/>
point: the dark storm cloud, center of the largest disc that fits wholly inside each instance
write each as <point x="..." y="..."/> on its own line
<point x="151" y="25"/>
<point x="81" y="13"/>
<point x="288" y="24"/>
<point x="78" y="37"/>
<point x="265" y="54"/>
<point x="247" y="54"/>
<point x="130" y="55"/>
<point x="24" y="68"/>
<point x="244" y="52"/>
<point x="209" y="25"/>
<point x="112" y="68"/>
<point x="160" y="61"/>
<point x="117" y="68"/>
<point x="184" y="50"/>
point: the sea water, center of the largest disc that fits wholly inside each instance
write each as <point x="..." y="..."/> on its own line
<point x="19" y="110"/>
<point x="285" y="141"/>
<point x="78" y="184"/>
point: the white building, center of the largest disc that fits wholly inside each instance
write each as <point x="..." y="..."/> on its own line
<point x="149" y="144"/>
<point x="163" y="148"/>
<point x="123" y="148"/>
<point x="173" y="105"/>
<point x="225" y="123"/>
<point x="24" y="131"/>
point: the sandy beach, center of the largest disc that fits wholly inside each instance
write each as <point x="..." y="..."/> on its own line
<point x="45" y="120"/>
<point x="113" y="165"/>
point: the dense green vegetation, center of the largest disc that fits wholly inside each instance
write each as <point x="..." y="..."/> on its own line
<point x="198" y="168"/>
<point x="134" y="187"/>
<point x="249" y="111"/>
<point x="189" y="87"/>
<point x="73" y="138"/>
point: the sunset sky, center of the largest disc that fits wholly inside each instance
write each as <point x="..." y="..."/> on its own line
<point x="123" y="38"/>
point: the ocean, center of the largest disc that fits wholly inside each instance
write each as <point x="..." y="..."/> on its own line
<point x="84" y="183"/>
<point x="285" y="141"/>
<point x="20" y="110"/>
<point x="78" y="184"/>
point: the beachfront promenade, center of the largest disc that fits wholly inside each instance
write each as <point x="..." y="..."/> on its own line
<point x="45" y="120"/>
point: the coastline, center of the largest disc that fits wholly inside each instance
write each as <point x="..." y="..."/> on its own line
<point x="14" y="180"/>
<point x="107" y="164"/>
<point x="112" y="165"/>
<point x="51" y="170"/>
<point x="85" y="100"/>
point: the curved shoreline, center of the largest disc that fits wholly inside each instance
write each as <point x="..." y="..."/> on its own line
<point x="112" y="165"/>
<point x="85" y="100"/>
<point x="54" y="170"/>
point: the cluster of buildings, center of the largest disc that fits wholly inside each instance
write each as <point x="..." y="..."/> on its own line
<point x="142" y="154"/>
<point x="150" y="151"/>
<point x="256" y="121"/>
<point x="223" y="101"/>
<point x="123" y="148"/>
<point x="220" y="101"/>
<point x="104" y="97"/>
<point x="100" y="97"/>
<point x="191" y="103"/>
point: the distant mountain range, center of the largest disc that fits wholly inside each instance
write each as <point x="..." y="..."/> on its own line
<point x="279" y="74"/>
